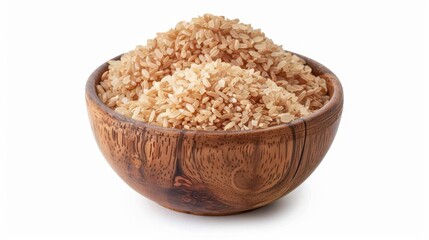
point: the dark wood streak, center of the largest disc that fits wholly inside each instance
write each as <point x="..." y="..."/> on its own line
<point x="141" y="153"/>
<point x="215" y="173"/>
<point x="178" y="170"/>
<point x="302" y="149"/>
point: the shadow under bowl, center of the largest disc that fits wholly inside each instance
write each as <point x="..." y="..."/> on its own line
<point x="215" y="172"/>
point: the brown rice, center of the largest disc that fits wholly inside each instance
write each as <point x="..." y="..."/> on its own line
<point x="212" y="74"/>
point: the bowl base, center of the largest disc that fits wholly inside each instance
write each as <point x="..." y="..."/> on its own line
<point x="214" y="214"/>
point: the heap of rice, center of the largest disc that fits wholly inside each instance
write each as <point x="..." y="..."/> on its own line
<point x="212" y="74"/>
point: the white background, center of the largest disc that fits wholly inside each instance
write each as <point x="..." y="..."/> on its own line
<point x="371" y="184"/>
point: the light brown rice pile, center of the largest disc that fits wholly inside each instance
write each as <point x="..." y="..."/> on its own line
<point x="212" y="74"/>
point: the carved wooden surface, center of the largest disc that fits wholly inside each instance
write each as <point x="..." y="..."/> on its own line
<point x="215" y="173"/>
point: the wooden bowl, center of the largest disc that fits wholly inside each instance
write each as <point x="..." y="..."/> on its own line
<point x="215" y="172"/>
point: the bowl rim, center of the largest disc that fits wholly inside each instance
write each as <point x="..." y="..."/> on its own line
<point x="336" y="99"/>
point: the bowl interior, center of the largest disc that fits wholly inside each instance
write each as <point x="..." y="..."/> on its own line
<point x="333" y="85"/>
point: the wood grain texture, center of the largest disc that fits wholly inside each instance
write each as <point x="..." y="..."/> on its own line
<point x="215" y="172"/>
